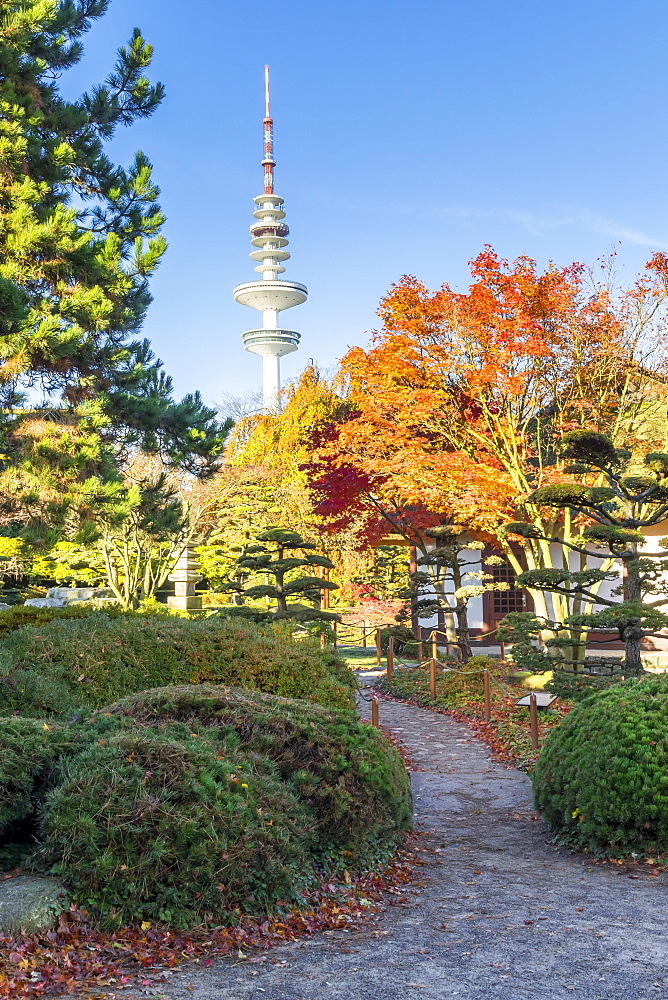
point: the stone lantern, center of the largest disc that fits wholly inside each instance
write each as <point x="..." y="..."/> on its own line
<point x="184" y="576"/>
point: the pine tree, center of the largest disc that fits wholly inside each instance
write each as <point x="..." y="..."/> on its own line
<point x="279" y="554"/>
<point x="618" y="497"/>
<point x="79" y="240"/>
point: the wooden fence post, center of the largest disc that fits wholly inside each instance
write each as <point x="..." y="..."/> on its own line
<point x="364" y="635"/>
<point x="334" y="624"/>
<point x="374" y="712"/>
<point x="432" y="678"/>
<point x="420" y="653"/>
<point x="378" y="649"/>
<point x="488" y="695"/>
<point x="322" y="640"/>
<point x="390" y="658"/>
<point x="502" y="646"/>
<point x="434" y="646"/>
<point x="533" y="720"/>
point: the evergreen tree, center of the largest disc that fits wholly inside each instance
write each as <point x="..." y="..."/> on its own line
<point x="279" y="554"/>
<point x="617" y="498"/>
<point x="447" y="581"/>
<point x="79" y="239"/>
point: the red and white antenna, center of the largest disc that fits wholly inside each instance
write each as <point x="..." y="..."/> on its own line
<point x="268" y="162"/>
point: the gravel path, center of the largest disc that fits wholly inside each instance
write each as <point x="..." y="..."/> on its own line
<point x="501" y="913"/>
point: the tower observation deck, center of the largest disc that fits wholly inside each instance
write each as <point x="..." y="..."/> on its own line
<point x="270" y="294"/>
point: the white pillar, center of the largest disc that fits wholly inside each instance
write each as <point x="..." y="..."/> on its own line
<point x="271" y="381"/>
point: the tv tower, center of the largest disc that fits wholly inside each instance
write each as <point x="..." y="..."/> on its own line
<point x="270" y="295"/>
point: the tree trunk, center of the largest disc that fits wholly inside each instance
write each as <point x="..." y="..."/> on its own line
<point x="632" y="662"/>
<point x="281" y="599"/>
<point x="462" y="613"/>
<point x="412" y="569"/>
<point x="633" y="631"/>
<point x="463" y="634"/>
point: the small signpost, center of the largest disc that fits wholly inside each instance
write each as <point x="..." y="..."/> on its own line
<point x="543" y="699"/>
<point x="533" y="701"/>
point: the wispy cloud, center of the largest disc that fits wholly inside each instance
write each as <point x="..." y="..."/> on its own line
<point x="538" y="224"/>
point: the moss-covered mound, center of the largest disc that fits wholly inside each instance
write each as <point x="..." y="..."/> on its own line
<point x="142" y="827"/>
<point x="602" y="778"/>
<point x="352" y="780"/>
<point x="77" y="664"/>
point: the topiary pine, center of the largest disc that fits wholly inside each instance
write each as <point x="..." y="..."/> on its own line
<point x="602" y="778"/>
<point x="620" y="505"/>
<point x="448" y="581"/>
<point x="280" y="553"/>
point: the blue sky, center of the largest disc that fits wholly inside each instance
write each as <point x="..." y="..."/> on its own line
<point x="408" y="135"/>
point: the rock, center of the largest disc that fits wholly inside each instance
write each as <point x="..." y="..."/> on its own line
<point x="44" y="602"/>
<point x="30" y="903"/>
<point x="77" y="595"/>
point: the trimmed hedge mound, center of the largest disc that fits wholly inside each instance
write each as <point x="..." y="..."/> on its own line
<point x="187" y="805"/>
<point x="21" y="614"/>
<point x="352" y="780"/>
<point x="602" y="777"/>
<point x="83" y="663"/>
<point x="29" y="751"/>
<point x="147" y="828"/>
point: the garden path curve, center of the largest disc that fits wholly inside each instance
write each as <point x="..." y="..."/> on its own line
<point x="501" y="913"/>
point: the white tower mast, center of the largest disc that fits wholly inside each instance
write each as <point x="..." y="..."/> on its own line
<point x="270" y="296"/>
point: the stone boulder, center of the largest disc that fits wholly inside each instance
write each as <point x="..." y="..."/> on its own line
<point x="61" y="597"/>
<point x="44" y="602"/>
<point x="30" y="903"/>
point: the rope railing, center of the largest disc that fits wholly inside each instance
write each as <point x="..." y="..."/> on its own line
<point x="488" y="679"/>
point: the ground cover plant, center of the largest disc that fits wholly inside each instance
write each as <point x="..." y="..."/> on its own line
<point x="356" y="792"/>
<point x="460" y="693"/>
<point x="197" y="804"/>
<point x="72" y="665"/>
<point x="601" y="778"/>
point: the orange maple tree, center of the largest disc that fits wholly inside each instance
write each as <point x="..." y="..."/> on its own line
<point x="458" y="405"/>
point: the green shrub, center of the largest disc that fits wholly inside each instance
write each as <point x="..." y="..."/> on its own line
<point x="86" y="662"/>
<point x="576" y="686"/>
<point x="602" y="778"/>
<point x="20" y="615"/>
<point x="188" y="804"/>
<point x="29" y="752"/>
<point x="349" y="776"/>
<point x="143" y="827"/>
<point x="405" y="643"/>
